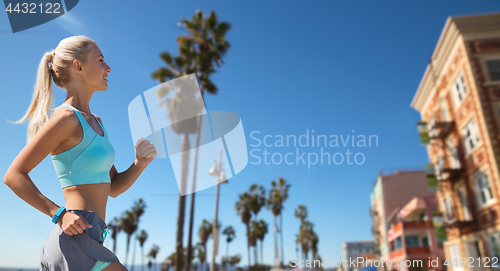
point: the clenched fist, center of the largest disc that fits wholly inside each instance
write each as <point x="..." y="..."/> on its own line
<point x="71" y="223"/>
<point x="145" y="152"/>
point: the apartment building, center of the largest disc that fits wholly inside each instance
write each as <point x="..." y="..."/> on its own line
<point x="390" y="193"/>
<point x="353" y="250"/>
<point x="413" y="236"/>
<point x="459" y="102"/>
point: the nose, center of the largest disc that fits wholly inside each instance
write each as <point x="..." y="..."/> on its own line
<point x="108" y="69"/>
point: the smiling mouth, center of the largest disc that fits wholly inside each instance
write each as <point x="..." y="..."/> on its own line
<point x="105" y="79"/>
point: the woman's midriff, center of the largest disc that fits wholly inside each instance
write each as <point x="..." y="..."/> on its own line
<point x="92" y="197"/>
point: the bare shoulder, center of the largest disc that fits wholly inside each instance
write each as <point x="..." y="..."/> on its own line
<point x="97" y="117"/>
<point x="58" y="128"/>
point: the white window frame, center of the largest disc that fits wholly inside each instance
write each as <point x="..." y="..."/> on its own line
<point x="470" y="135"/>
<point x="485" y="60"/>
<point x="455" y="161"/>
<point x="459" y="89"/>
<point x="443" y="109"/>
<point x="492" y="247"/>
<point x="455" y="254"/>
<point x="463" y="202"/>
<point x="480" y="182"/>
<point x="448" y="210"/>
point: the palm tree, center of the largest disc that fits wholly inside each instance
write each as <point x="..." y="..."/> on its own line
<point x="252" y="240"/>
<point x="204" y="233"/>
<point x="115" y="229"/>
<point x="138" y="210"/>
<point x="129" y="226"/>
<point x="244" y="209"/>
<point x="234" y="260"/>
<point x="184" y="103"/>
<point x="230" y="233"/>
<point x="283" y="189"/>
<point x="314" y="243"/>
<point x="277" y="195"/>
<point x="152" y="254"/>
<point x="300" y="213"/>
<point x="261" y="227"/>
<point x="305" y="237"/>
<point x="203" y="46"/>
<point x="200" y="253"/>
<point x="142" y="238"/>
<point x="258" y="198"/>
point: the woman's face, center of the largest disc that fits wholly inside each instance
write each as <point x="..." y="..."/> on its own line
<point x="95" y="71"/>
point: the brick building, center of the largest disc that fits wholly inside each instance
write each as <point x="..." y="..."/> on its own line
<point x="459" y="100"/>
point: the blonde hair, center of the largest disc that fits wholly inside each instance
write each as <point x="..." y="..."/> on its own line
<point x="61" y="59"/>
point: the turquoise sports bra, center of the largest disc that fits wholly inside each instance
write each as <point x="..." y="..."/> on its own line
<point x="88" y="162"/>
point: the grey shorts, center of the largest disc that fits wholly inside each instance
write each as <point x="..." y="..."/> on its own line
<point x="63" y="252"/>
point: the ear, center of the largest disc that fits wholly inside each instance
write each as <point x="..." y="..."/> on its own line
<point x="77" y="65"/>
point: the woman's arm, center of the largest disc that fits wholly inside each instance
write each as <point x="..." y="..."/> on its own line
<point x="52" y="133"/>
<point x="145" y="152"/>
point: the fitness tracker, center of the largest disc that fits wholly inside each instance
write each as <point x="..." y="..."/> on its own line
<point x="58" y="213"/>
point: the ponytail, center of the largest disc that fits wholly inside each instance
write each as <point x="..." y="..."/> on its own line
<point x="60" y="60"/>
<point x="43" y="100"/>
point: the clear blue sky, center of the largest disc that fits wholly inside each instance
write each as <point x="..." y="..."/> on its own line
<point x="293" y="66"/>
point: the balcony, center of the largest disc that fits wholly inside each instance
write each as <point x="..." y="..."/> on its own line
<point x="412" y="225"/>
<point x="410" y="251"/>
<point x="439" y="130"/>
<point x="418" y="250"/>
<point x="445" y="173"/>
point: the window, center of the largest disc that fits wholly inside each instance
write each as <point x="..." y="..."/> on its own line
<point x="412" y="241"/>
<point x="442" y="107"/>
<point x="463" y="201"/>
<point x="483" y="188"/>
<point x="493" y="66"/>
<point x="448" y="210"/>
<point x="455" y="162"/>
<point x="470" y="136"/>
<point x="398" y="243"/>
<point x="494" y="244"/>
<point x="459" y="89"/>
<point x="455" y="254"/>
<point x="440" y="164"/>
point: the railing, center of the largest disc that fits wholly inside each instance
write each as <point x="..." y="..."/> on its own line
<point x="410" y="251"/>
<point x="444" y="173"/>
<point x="439" y="130"/>
<point x="418" y="250"/>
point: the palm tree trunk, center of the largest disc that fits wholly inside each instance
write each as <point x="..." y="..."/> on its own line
<point x="133" y="254"/>
<point x="191" y="212"/>
<point x="142" y="257"/>
<point x="126" y="253"/>
<point x="248" y="245"/>
<point x="275" y="238"/>
<point x="261" y="251"/>
<point x="281" y="234"/>
<point x="114" y="246"/>
<point x="182" y="202"/>
<point x="255" y="254"/>
<point x="227" y="256"/>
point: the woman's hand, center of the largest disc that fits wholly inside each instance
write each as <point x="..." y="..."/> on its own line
<point x="145" y="152"/>
<point x="72" y="223"/>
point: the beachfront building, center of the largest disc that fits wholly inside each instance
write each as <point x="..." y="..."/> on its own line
<point x="412" y="236"/>
<point x="353" y="250"/>
<point x="459" y="102"/>
<point x="390" y="193"/>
